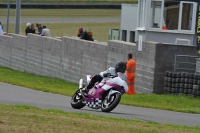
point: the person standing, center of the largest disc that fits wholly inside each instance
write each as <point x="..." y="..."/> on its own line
<point x="130" y="72"/>
<point x="1" y="26"/>
<point x="1" y="30"/>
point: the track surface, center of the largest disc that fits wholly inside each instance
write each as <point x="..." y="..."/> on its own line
<point x="10" y="94"/>
<point x="59" y="20"/>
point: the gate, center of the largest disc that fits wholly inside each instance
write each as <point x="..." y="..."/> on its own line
<point x="185" y="63"/>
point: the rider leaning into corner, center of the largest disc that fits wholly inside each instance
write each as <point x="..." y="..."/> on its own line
<point x="118" y="71"/>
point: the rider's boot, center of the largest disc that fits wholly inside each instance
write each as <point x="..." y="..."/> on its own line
<point x="95" y="79"/>
<point x="86" y="89"/>
<point x="85" y="92"/>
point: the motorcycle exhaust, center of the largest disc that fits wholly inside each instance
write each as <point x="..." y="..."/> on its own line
<point x="81" y="87"/>
<point x="81" y="84"/>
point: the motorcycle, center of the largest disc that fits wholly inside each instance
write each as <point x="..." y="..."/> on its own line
<point x="105" y="95"/>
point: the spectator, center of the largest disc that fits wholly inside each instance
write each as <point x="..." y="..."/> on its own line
<point x="1" y="30"/>
<point x="45" y="32"/>
<point x="84" y="35"/>
<point x="32" y="29"/>
<point x="130" y="72"/>
<point x="1" y="25"/>
<point x="28" y="28"/>
<point x="39" y="29"/>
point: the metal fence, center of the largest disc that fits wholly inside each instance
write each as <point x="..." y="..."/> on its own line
<point x="185" y="63"/>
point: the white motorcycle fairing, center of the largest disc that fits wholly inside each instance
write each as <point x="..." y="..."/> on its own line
<point x="95" y="95"/>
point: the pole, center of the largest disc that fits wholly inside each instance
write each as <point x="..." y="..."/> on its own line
<point x="198" y="28"/>
<point x="8" y="15"/>
<point x="17" y="23"/>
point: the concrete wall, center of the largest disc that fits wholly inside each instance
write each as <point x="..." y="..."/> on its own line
<point x="71" y="58"/>
<point x="18" y="59"/>
<point x="5" y="50"/>
<point x="145" y="74"/>
<point x="81" y="57"/>
<point x="118" y="51"/>
<point x="165" y="61"/>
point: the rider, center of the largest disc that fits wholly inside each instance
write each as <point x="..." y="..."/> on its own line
<point x="119" y="70"/>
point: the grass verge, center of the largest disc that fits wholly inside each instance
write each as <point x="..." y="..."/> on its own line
<point x="100" y="30"/>
<point x="23" y="119"/>
<point x="63" y="13"/>
<point x="165" y="102"/>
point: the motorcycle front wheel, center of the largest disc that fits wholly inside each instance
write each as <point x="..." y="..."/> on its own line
<point x="109" y="104"/>
<point x="76" y="100"/>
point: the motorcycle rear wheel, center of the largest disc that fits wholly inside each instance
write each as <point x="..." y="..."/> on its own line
<point x="76" y="100"/>
<point x="109" y="104"/>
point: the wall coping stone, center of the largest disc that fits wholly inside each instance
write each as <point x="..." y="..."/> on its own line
<point x="92" y="42"/>
<point x="19" y="35"/>
<point x="123" y="42"/>
<point x="6" y="36"/>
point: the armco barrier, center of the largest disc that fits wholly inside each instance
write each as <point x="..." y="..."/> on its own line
<point x="70" y="58"/>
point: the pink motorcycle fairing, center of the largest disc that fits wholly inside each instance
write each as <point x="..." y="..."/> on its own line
<point x="97" y="91"/>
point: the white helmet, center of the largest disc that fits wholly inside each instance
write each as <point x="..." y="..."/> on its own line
<point x="28" y="24"/>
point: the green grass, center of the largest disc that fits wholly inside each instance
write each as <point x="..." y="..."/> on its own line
<point x="165" y="102"/>
<point x="37" y="82"/>
<point x="26" y="119"/>
<point x="180" y="103"/>
<point x="64" y="13"/>
<point x="100" y="30"/>
<point x="72" y="1"/>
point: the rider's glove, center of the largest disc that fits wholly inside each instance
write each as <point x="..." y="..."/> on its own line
<point x="106" y="74"/>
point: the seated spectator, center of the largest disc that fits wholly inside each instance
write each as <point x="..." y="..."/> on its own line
<point x="32" y="29"/>
<point x="28" y="28"/>
<point x="45" y="32"/>
<point x="84" y="35"/>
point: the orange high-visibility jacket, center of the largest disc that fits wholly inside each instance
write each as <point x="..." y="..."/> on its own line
<point x="130" y="69"/>
<point x="130" y="72"/>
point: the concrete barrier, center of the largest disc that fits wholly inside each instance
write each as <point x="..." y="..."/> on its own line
<point x="5" y="50"/>
<point x="18" y="44"/>
<point x="70" y="58"/>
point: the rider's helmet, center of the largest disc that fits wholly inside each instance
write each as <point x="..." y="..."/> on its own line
<point x="120" y="67"/>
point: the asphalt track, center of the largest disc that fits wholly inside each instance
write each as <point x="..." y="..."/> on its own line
<point x="16" y="95"/>
<point x="60" y="20"/>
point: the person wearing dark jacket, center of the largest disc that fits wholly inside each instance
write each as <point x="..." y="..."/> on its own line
<point x="84" y="35"/>
<point x="39" y="26"/>
<point x="28" y="28"/>
<point x="32" y="29"/>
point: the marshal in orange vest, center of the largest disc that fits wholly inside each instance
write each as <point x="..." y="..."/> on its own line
<point x="130" y="72"/>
